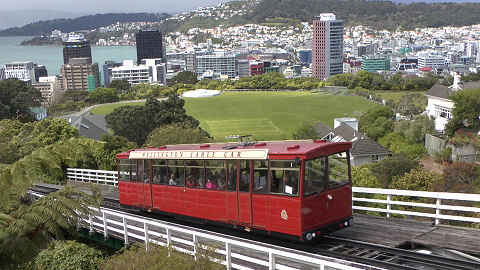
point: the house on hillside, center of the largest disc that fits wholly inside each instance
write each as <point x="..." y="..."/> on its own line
<point x="363" y="149"/>
<point x="440" y="105"/>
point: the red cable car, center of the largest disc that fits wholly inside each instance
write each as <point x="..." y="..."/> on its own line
<point x="294" y="189"/>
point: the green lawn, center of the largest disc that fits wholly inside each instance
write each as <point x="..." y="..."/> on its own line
<point x="266" y="115"/>
<point x="106" y="109"/>
<point x="395" y="95"/>
<point x="270" y="115"/>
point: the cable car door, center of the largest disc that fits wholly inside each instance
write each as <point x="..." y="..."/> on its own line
<point x="147" y="188"/>
<point x="245" y="194"/>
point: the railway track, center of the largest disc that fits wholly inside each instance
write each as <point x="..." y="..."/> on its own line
<point x="355" y="251"/>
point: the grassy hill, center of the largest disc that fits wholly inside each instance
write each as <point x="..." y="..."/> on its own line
<point x="266" y="115"/>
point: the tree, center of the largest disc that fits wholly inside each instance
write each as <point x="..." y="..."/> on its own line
<point x="417" y="179"/>
<point x="389" y="168"/>
<point x="129" y="122"/>
<point x="24" y="230"/>
<point x="136" y="122"/>
<point x="111" y="146"/>
<point x="363" y="177"/>
<point x="18" y="140"/>
<point x="305" y="132"/>
<point x="68" y="255"/>
<point x="103" y="95"/>
<point x="75" y="96"/>
<point x="466" y="111"/>
<point x="185" y="77"/>
<point x="461" y="177"/>
<point x="416" y="130"/>
<point x="379" y="128"/>
<point x="161" y="258"/>
<point x="398" y="144"/>
<point x="411" y="104"/>
<point x="16" y="97"/>
<point x="177" y="134"/>
<point x="120" y="85"/>
<point x="368" y="118"/>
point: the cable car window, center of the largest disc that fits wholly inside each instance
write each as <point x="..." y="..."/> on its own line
<point x="159" y="172"/>
<point x="124" y="170"/>
<point x="338" y="170"/>
<point x="139" y="171"/>
<point x="260" y="176"/>
<point x="194" y="174"/>
<point x="175" y="171"/>
<point x="215" y="174"/>
<point x="232" y="175"/>
<point x="244" y="181"/>
<point x="284" y="177"/>
<point x="133" y="169"/>
<point x="146" y="171"/>
<point x="315" y="176"/>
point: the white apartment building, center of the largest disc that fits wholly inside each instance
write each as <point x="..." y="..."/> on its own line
<point x="149" y="71"/>
<point x="50" y="88"/>
<point x="432" y="60"/>
<point x="23" y="71"/>
<point x="218" y="63"/>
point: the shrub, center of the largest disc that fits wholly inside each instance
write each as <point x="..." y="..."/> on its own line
<point x="68" y="255"/>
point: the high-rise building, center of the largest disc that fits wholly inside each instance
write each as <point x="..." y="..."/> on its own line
<point x="149" y="45"/>
<point x="375" y="62"/>
<point x="327" y="46"/>
<point x="79" y="74"/>
<point x="190" y="62"/>
<point x="23" y="71"/>
<point x="431" y="60"/>
<point x="223" y="64"/>
<point x="40" y="71"/>
<point x="305" y="56"/>
<point x="256" y="68"/>
<point x="50" y="89"/>
<point x="243" y="67"/>
<point x="76" y="47"/>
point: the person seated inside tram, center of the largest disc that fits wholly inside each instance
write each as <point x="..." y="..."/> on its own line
<point x="221" y="179"/>
<point x="191" y="181"/>
<point x="157" y="178"/>
<point x="172" y="181"/>
<point x="291" y="187"/>
<point x="211" y="184"/>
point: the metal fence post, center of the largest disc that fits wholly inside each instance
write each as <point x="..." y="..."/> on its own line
<point x="147" y="240"/>
<point x="105" y="230"/>
<point x="437" y="211"/>
<point x="228" y="255"/>
<point x="389" y="206"/>
<point x="271" y="261"/>
<point x="195" y="241"/>
<point x="125" y="231"/>
<point x="90" y="219"/>
<point x="169" y="237"/>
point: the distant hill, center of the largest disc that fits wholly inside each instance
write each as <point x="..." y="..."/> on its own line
<point x="81" y="23"/>
<point x="376" y="14"/>
<point x="12" y="18"/>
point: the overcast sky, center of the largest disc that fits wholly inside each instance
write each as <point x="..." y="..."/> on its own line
<point x="103" y="6"/>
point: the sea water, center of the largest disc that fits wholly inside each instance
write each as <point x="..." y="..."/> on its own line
<point x="52" y="56"/>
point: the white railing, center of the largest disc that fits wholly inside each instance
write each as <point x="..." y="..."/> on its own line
<point x="234" y="253"/>
<point x="94" y="176"/>
<point x="440" y="201"/>
<point x="443" y="201"/>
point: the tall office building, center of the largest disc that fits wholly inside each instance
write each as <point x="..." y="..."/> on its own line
<point x="327" y="46"/>
<point x="223" y="64"/>
<point x="76" y="47"/>
<point x="50" y="89"/>
<point x="149" y="71"/>
<point x="149" y="45"/>
<point x="79" y="74"/>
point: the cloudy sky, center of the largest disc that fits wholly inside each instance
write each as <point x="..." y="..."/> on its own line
<point x="102" y="6"/>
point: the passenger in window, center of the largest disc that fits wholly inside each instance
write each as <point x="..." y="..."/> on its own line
<point x="191" y="182"/>
<point x="172" y="181"/>
<point x="221" y="179"/>
<point x="211" y="184"/>
<point x="157" y="178"/>
<point x="232" y="175"/>
<point x="290" y="184"/>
